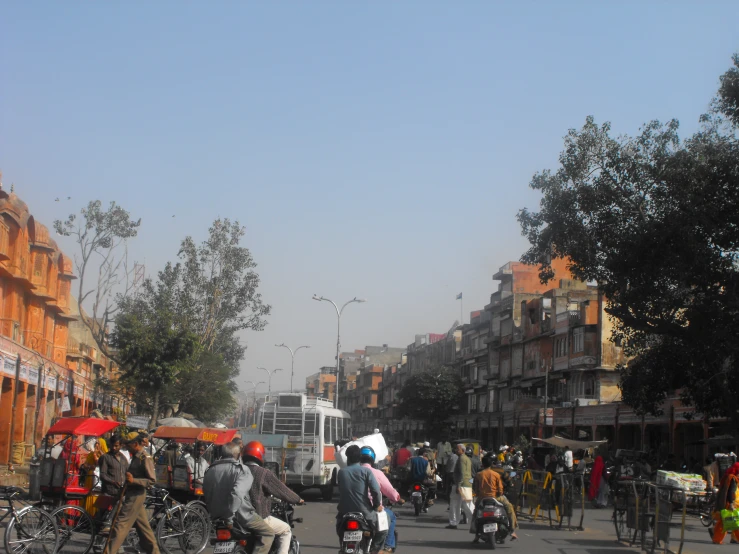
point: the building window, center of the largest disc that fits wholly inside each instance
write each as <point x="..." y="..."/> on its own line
<point x="491" y="401"/>
<point x="472" y="399"/>
<point x="578" y="339"/>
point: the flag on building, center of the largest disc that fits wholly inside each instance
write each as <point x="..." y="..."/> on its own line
<point x="459" y="296"/>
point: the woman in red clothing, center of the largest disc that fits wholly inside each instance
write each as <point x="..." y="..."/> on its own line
<point x="727" y="499"/>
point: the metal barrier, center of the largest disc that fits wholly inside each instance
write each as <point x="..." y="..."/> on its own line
<point x="533" y="492"/>
<point x="661" y="501"/>
<point x="567" y="493"/>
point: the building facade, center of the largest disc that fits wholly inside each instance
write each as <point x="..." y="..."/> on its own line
<point x="48" y="364"/>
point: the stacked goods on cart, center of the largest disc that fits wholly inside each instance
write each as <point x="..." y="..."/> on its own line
<point x="683" y="481"/>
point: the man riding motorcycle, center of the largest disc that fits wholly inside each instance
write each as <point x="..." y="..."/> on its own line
<point x="226" y="490"/>
<point x="265" y="485"/>
<point x="354" y="482"/>
<point x="488" y="484"/>
<point x="367" y="459"/>
<point x="421" y="471"/>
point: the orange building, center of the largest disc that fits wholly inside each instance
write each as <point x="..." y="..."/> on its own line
<point x="40" y="380"/>
<point x="322" y="384"/>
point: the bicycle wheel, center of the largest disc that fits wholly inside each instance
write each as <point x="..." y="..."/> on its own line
<point x="76" y="529"/>
<point x="182" y="530"/>
<point x="199" y="506"/>
<point x="32" y="531"/>
<point x="619" y="521"/>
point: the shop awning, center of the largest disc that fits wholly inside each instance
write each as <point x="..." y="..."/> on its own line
<point x="561" y="442"/>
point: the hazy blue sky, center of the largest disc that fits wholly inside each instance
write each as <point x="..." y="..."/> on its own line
<point x="374" y="149"/>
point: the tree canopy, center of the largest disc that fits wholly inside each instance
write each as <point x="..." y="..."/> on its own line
<point x="654" y="220"/>
<point x="178" y="337"/>
<point x="432" y="397"/>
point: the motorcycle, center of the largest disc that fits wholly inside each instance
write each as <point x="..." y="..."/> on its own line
<point x="356" y="535"/>
<point x="284" y="511"/>
<point x="419" y="497"/>
<point x="492" y="522"/>
<point x="228" y="541"/>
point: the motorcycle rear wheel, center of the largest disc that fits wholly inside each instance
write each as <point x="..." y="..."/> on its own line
<point x="491" y="539"/>
<point x="417" y="509"/>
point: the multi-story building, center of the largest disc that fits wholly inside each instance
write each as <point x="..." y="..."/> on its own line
<point x="39" y="349"/>
<point x="322" y="384"/>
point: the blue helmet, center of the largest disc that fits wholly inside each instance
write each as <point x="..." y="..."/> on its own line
<point x="368" y="451"/>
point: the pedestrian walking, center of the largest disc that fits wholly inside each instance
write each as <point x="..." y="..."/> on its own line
<point x="139" y="476"/>
<point x="460" y="501"/>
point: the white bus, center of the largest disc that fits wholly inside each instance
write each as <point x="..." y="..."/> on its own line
<point x="312" y="425"/>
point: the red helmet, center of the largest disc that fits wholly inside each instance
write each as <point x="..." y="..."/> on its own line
<point x="254" y="449"/>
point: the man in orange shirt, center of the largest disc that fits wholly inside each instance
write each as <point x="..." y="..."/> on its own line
<point x="488" y="484"/>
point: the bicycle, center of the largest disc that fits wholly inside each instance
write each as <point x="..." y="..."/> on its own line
<point x="177" y="528"/>
<point x="30" y="529"/>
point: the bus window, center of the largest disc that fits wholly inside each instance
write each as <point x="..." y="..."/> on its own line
<point x="291" y="426"/>
<point x="327" y="435"/>
<point x="268" y="423"/>
<point x="310" y="424"/>
<point x="337" y="428"/>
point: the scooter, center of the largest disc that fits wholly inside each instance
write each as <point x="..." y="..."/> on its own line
<point x="492" y="522"/>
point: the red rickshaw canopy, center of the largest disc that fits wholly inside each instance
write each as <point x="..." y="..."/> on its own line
<point x="191" y="434"/>
<point x="82" y="426"/>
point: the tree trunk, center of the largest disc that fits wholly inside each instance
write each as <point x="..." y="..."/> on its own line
<point x="155" y="411"/>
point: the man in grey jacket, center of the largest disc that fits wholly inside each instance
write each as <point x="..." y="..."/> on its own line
<point x="226" y="488"/>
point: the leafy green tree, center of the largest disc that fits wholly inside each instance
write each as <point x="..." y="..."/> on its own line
<point x="205" y="388"/>
<point x="218" y="292"/>
<point x="151" y="344"/>
<point x="432" y="398"/>
<point x="654" y="220"/>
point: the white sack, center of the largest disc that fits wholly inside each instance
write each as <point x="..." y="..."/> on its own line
<point x="376" y="441"/>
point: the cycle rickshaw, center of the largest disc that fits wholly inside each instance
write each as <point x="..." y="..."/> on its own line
<point x="70" y="495"/>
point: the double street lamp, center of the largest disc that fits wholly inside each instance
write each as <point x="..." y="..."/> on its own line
<point x="292" y="365"/>
<point x="269" y="385"/>
<point x="338" y="336"/>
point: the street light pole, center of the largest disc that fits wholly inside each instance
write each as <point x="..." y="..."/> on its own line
<point x="255" y="385"/>
<point x="292" y="356"/>
<point x="269" y="385"/>
<point x="338" y="336"/>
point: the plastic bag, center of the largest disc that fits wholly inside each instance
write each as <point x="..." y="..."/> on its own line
<point x="376" y="441"/>
<point x="730" y="519"/>
<point x="382" y="522"/>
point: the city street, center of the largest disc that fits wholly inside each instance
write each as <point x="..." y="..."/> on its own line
<point x="427" y="533"/>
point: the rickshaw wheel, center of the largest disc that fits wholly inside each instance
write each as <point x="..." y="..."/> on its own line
<point x="76" y="529"/>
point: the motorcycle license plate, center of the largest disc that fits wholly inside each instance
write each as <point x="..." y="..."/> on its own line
<point x="417" y="494"/>
<point x="224" y="547"/>
<point x="352" y="536"/>
<point x="490" y="528"/>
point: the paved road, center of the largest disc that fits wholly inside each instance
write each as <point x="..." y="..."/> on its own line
<point x="426" y="534"/>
